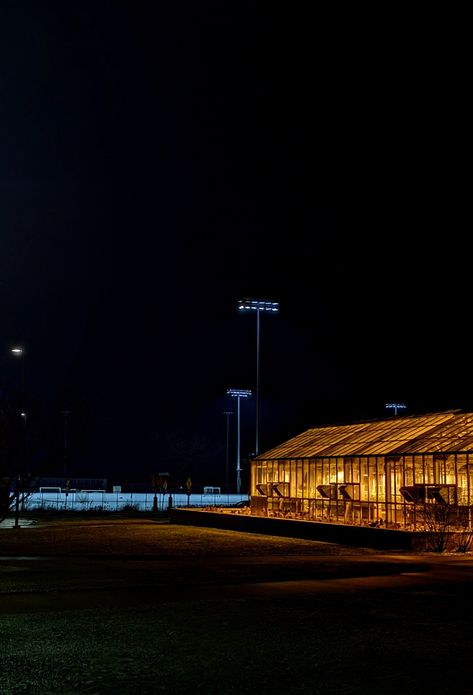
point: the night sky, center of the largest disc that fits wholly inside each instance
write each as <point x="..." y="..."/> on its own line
<point x="161" y="161"/>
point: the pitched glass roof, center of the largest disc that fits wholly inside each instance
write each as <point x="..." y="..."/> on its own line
<point x="449" y="431"/>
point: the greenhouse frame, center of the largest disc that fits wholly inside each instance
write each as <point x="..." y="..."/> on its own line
<point x="404" y="472"/>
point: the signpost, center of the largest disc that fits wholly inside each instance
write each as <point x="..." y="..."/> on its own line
<point x="160" y="484"/>
<point x="154" y="482"/>
<point x="189" y="487"/>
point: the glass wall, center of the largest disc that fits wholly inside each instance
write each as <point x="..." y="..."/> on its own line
<point x="386" y="491"/>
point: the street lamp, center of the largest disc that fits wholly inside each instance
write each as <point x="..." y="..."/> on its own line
<point x="18" y="351"/>
<point x="258" y="305"/>
<point x="395" y="407"/>
<point x="227" y="413"/>
<point x="238" y="394"/>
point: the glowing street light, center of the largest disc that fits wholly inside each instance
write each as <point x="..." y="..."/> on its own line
<point x="19" y="351"/>
<point x="238" y="394"/>
<point x="258" y="305"/>
<point x="395" y="407"/>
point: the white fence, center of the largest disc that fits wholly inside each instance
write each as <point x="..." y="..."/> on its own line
<point x="84" y="500"/>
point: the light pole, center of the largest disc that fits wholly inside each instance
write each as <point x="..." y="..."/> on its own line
<point x="395" y="407"/>
<point x="258" y="305"/>
<point x="65" y="413"/>
<point x="19" y="352"/>
<point x="227" y="413"/>
<point x="238" y="394"/>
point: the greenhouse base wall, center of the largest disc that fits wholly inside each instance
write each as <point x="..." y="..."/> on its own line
<point x="358" y="536"/>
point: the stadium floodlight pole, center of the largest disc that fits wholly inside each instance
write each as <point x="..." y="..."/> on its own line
<point x="258" y="305"/>
<point x="227" y="413"/>
<point x="395" y="407"/>
<point x="238" y="394"/>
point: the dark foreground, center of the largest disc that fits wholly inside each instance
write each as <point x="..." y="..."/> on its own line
<point x="141" y="606"/>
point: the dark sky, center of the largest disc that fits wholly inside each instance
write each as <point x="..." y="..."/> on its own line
<point x="161" y="161"/>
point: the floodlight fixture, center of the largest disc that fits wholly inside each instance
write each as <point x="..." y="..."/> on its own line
<point x="239" y="393"/>
<point x="258" y="305"/>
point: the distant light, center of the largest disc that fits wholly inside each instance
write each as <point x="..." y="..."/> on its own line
<point x="17" y="350"/>
<point x="258" y="305"/>
<point x="395" y="406"/>
<point x="239" y="393"/>
<point x="23" y="414"/>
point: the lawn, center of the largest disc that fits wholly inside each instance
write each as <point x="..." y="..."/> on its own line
<point x="137" y="606"/>
<point x="141" y="535"/>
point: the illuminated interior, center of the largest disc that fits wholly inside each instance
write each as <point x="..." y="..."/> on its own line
<point x="393" y="473"/>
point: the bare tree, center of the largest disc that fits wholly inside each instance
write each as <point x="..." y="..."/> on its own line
<point x="437" y="520"/>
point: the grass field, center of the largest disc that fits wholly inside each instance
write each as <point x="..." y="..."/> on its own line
<point x="136" y="605"/>
<point x="73" y="534"/>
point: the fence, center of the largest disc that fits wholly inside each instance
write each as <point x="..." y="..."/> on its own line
<point x="84" y="500"/>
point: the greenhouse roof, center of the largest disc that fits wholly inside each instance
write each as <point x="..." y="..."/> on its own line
<point x="446" y="432"/>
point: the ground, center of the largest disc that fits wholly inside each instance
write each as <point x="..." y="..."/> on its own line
<point x="138" y="605"/>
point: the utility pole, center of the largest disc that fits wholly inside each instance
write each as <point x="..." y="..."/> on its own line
<point x="65" y="413"/>
<point x="227" y="413"/>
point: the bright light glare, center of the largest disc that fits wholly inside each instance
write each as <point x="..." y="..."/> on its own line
<point x="17" y="350"/>
<point x="239" y="393"/>
<point x="258" y="305"/>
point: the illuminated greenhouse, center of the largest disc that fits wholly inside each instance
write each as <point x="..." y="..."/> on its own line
<point x="399" y="473"/>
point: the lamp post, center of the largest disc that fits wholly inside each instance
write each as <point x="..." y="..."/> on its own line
<point x="227" y="413"/>
<point x="258" y="305"/>
<point x="395" y="407"/>
<point x="238" y="394"/>
<point x="19" y="352"/>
